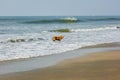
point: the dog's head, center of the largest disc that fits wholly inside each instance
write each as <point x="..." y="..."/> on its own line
<point x="61" y="37"/>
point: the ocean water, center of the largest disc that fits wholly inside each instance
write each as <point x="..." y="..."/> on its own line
<point x="31" y="36"/>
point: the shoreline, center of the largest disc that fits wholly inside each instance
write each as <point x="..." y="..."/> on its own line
<point x="13" y="66"/>
<point x="10" y="69"/>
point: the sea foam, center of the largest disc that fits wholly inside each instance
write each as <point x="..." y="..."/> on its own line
<point x="94" y="29"/>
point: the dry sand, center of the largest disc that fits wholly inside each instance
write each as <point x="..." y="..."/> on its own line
<point x="96" y="66"/>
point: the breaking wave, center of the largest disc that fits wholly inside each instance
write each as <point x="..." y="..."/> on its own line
<point x="70" y="20"/>
<point x="84" y="30"/>
<point x="62" y="20"/>
<point x="61" y="30"/>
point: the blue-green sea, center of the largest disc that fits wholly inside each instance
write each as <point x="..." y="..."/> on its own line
<point x="31" y="36"/>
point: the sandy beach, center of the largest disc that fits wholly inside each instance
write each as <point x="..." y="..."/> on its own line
<point x="103" y="65"/>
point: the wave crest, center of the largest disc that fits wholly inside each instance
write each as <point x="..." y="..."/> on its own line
<point x="70" y="19"/>
<point x="61" y="30"/>
<point x="61" y="20"/>
<point x="84" y="30"/>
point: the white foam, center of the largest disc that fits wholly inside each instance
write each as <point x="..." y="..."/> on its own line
<point x="93" y="29"/>
<point x="34" y="50"/>
<point x="70" y="18"/>
<point x="71" y="41"/>
<point x="28" y="50"/>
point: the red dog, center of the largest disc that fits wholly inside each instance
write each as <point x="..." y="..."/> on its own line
<point x="58" y="38"/>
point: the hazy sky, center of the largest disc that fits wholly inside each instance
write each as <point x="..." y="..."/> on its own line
<point x="59" y="7"/>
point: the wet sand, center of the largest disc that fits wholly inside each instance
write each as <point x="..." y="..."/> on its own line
<point x="103" y="65"/>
